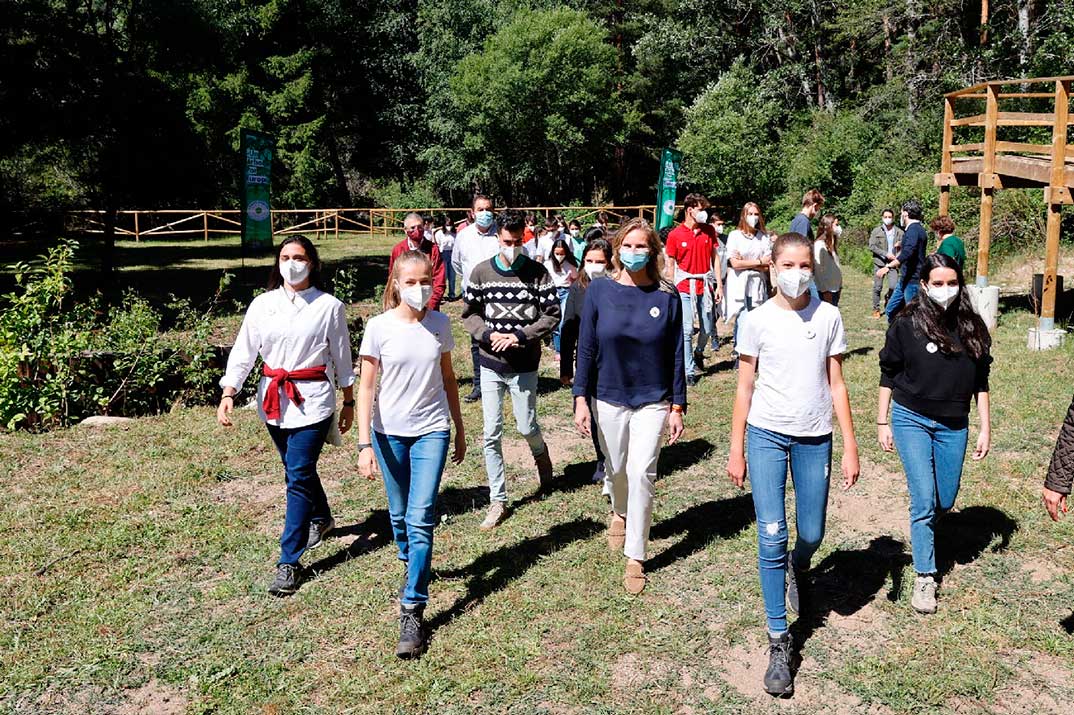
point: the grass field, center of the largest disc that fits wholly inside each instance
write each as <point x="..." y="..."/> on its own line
<point x="136" y="558"/>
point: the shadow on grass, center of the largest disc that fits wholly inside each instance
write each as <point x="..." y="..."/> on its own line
<point x="850" y="354"/>
<point x="700" y="525"/>
<point x="370" y="535"/>
<point x="682" y="455"/>
<point x="1067" y="624"/>
<point x="495" y="570"/>
<point x="575" y="476"/>
<point x="848" y="580"/>
<point x="962" y="536"/>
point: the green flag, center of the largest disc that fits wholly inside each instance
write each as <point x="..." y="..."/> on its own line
<point x="257" y="150"/>
<point x="666" y="187"/>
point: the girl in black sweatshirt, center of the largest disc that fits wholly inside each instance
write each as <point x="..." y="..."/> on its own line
<point x="935" y="360"/>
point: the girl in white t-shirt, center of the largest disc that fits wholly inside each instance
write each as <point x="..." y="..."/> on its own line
<point x="564" y="270"/>
<point x="406" y="430"/>
<point x="749" y="254"/>
<point x="790" y="377"/>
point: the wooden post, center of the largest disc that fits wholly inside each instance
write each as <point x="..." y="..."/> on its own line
<point x="987" y="183"/>
<point x="336" y="215"/>
<point x="205" y="224"/>
<point x="1056" y="195"/>
<point x="946" y="163"/>
<point x="136" y="232"/>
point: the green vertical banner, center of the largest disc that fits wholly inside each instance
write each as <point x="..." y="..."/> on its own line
<point x="666" y="187"/>
<point x="257" y="149"/>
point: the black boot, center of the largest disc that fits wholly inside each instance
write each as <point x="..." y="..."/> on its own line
<point x="411" y="631"/>
<point x="778" y="679"/>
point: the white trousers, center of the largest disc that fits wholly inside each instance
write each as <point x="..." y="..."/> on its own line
<point x="631" y="440"/>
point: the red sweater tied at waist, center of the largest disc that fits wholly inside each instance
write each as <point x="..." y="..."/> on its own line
<point x="282" y="379"/>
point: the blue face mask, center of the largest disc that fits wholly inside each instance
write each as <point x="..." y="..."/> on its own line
<point x="483" y="218"/>
<point x="633" y="261"/>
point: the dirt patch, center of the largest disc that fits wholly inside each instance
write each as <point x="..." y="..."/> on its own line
<point x="154" y="698"/>
<point x="877" y="504"/>
<point x="1042" y="685"/>
<point x="563" y="442"/>
<point x="1041" y="571"/>
<point x="632" y="672"/>
<point x="1016" y="277"/>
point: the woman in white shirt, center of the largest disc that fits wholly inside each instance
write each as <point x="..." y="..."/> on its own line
<point x="749" y="253"/>
<point x="405" y="430"/>
<point x="445" y="241"/>
<point x="301" y="334"/>
<point x="828" y="275"/>
<point x="790" y="379"/>
<point x="564" y="270"/>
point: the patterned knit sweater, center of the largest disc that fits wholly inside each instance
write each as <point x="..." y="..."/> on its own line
<point x="519" y="300"/>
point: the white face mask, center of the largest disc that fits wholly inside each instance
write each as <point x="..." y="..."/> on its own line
<point x="416" y="296"/>
<point x="294" y="272"/>
<point x="719" y="229"/>
<point x="943" y="296"/>
<point x="574" y="233"/>
<point x="838" y="231"/>
<point x="510" y="253"/>
<point x="752" y="221"/>
<point x="595" y="270"/>
<point x="888" y="221"/>
<point x="701" y="216"/>
<point x="793" y="281"/>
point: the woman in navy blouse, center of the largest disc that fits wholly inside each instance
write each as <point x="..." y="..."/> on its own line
<point x="630" y="363"/>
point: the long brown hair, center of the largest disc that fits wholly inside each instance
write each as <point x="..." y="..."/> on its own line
<point x="744" y="225"/>
<point x="392" y="299"/>
<point x="826" y="232"/>
<point x="929" y="318"/>
<point x="655" y="267"/>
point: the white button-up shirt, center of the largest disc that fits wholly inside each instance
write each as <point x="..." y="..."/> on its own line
<point x="473" y="247"/>
<point x="291" y="335"/>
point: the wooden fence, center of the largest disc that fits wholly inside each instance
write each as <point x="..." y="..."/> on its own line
<point x="324" y="223"/>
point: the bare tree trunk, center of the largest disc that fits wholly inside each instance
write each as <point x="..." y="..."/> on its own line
<point x="1024" y="11"/>
<point x="913" y="15"/>
<point x="889" y="73"/>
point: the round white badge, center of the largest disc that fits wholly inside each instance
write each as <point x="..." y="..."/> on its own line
<point x="932" y="347"/>
<point x="654" y="311"/>
<point x="684" y="244"/>
<point x="810" y="334"/>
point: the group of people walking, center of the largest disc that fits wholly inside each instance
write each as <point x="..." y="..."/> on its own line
<point x="626" y="328"/>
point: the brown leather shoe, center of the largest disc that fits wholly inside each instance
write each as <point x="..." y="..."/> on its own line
<point x="877" y="314"/>
<point x="634" y="577"/>
<point x="616" y="532"/>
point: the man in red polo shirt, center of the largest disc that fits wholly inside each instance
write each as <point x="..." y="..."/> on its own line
<point x="695" y="268"/>
<point x="415" y="240"/>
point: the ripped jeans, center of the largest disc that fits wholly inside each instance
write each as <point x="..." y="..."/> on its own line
<point x="767" y="456"/>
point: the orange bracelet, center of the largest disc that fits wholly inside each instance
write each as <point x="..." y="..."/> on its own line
<point x="676" y="408"/>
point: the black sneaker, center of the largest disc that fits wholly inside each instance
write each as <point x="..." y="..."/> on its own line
<point x="778" y="679"/>
<point x="692" y="380"/>
<point x="288" y="579"/>
<point x="319" y="530"/>
<point x="544" y="469"/>
<point x="699" y="359"/>
<point x="474" y="396"/>
<point x="794" y="578"/>
<point x="411" y="631"/>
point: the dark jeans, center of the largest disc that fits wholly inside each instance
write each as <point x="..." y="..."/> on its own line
<point x="475" y="356"/>
<point x="299" y="448"/>
<point x="902" y="295"/>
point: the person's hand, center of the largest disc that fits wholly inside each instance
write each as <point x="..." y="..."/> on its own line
<point x="891" y="257"/>
<point x="502" y="341"/>
<point x="675" y="426"/>
<point x="223" y="412"/>
<point x="346" y="419"/>
<point x="460" y="446"/>
<point x="881" y="272"/>
<point x="717" y="295"/>
<point x="1055" y="503"/>
<point x="367" y="463"/>
<point x="984" y="443"/>
<point x="851" y="466"/>
<point x="582" y="416"/>
<point x="736" y="255"/>
<point x="884" y="438"/>
<point x="736" y="468"/>
<point x="565" y="381"/>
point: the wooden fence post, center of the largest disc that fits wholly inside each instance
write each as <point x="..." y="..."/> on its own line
<point x="988" y="184"/>
<point x="205" y="224"/>
<point x="1055" y="195"/>
<point x="136" y="232"/>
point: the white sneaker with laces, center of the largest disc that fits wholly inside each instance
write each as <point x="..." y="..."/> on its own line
<point x="924" y="598"/>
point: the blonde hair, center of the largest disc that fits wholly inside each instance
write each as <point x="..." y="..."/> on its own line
<point x="826" y="232"/>
<point x="744" y="225"/>
<point x="392" y="299"/>
<point x="655" y="267"/>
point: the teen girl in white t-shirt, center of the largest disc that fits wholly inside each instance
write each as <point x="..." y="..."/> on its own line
<point x="408" y="434"/>
<point x="790" y="377"/>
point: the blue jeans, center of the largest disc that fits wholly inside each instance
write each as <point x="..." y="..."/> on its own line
<point x="902" y="295"/>
<point x="449" y="272"/>
<point x="932" y="453"/>
<point x="412" y="467"/>
<point x="299" y="448"/>
<point x="689" y="303"/>
<point x="767" y="456"/>
<point x="523" y="389"/>
<point x="562" y="294"/>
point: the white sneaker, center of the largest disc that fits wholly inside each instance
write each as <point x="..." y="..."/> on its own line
<point x="598" y="474"/>
<point x="496" y="513"/>
<point x="924" y="598"/>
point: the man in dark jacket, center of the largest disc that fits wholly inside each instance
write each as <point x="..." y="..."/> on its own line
<point x="1061" y="470"/>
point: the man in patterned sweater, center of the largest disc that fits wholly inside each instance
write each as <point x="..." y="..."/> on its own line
<point x="511" y="305"/>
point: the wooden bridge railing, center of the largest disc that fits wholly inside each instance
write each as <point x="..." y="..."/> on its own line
<point x="139" y="224"/>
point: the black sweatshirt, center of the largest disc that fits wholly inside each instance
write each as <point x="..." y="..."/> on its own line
<point x="568" y="332"/>
<point x="925" y="379"/>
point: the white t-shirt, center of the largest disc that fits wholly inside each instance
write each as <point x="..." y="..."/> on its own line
<point x="564" y="277"/>
<point x="792" y="395"/>
<point x="445" y="240"/>
<point x="411" y="400"/>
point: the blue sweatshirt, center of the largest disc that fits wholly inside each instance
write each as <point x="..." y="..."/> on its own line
<point x="630" y="346"/>
<point x="912" y="256"/>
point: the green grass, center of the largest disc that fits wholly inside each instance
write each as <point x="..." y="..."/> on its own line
<point x="136" y="561"/>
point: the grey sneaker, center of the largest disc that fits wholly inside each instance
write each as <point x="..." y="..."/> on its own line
<point x="319" y="530"/>
<point x="778" y="679"/>
<point x="496" y="513"/>
<point x="544" y="469"/>
<point x="924" y="598"/>
<point x="793" y="576"/>
<point x="287" y="580"/>
<point x="598" y="475"/>
<point x="411" y="631"/>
